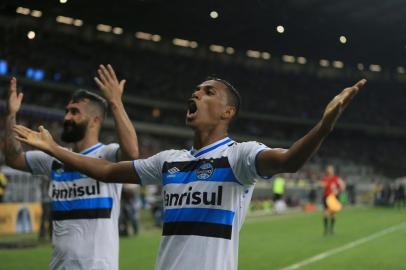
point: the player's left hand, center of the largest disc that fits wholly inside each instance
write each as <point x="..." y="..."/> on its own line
<point x="339" y="103"/>
<point x="41" y="140"/>
<point x="111" y="88"/>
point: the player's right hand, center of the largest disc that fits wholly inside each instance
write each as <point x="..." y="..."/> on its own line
<point x="41" y="140"/>
<point x="339" y="103"/>
<point x="14" y="99"/>
<point x="111" y="88"/>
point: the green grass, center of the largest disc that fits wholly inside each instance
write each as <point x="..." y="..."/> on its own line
<point x="271" y="242"/>
<point x="274" y="243"/>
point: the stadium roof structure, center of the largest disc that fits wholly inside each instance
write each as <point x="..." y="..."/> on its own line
<point x="349" y="30"/>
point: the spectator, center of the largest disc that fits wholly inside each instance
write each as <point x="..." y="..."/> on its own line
<point x="3" y="185"/>
<point x="129" y="213"/>
<point x="400" y="196"/>
<point x="278" y="191"/>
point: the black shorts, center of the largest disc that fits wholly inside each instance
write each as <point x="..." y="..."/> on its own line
<point x="277" y="197"/>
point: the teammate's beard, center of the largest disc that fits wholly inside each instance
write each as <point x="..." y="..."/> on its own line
<point x="73" y="132"/>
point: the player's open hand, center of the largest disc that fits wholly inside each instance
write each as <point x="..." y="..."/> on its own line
<point x="111" y="88"/>
<point x="339" y="103"/>
<point x="14" y="99"/>
<point x="41" y="140"/>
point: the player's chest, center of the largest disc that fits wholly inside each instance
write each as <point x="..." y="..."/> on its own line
<point x="197" y="170"/>
<point x="67" y="183"/>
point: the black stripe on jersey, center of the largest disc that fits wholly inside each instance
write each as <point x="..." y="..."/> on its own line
<point x="187" y="166"/>
<point x="82" y="214"/>
<point x="198" y="228"/>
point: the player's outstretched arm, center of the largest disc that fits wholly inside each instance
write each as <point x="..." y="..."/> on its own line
<point x="271" y="162"/>
<point x="100" y="169"/>
<point x="13" y="151"/>
<point x="112" y="90"/>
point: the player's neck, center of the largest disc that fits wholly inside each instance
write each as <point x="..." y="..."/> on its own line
<point x="85" y="143"/>
<point x="204" y="138"/>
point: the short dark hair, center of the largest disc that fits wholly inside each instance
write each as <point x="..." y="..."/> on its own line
<point x="233" y="96"/>
<point x="97" y="100"/>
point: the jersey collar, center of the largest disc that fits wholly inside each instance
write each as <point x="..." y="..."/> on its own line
<point x="210" y="147"/>
<point x="91" y="149"/>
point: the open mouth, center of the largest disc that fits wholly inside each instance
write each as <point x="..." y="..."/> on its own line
<point x="191" y="108"/>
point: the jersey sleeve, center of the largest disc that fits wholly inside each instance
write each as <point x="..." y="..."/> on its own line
<point x="150" y="170"/>
<point x="39" y="162"/>
<point x="243" y="161"/>
<point x="111" y="152"/>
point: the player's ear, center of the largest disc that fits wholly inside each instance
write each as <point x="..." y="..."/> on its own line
<point x="228" y="113"/>
<point x="97" y="121"/>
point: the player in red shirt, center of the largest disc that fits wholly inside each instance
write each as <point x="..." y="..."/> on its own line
<point x="332" y="185"/>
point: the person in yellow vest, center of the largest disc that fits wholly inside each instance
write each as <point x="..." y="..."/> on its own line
<point x="3" y="184"/>
<point x="278" y="191"/>
<point x="278" y="188"/>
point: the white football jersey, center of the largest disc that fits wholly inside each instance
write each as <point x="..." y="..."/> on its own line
<point x="84" y="211"/>
<point x="206" y="194"/>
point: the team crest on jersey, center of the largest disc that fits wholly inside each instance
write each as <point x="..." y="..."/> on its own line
<point x="204" y="171"/>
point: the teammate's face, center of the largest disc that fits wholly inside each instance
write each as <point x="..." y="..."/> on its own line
<point x="75" y="122"/>
<point x="207" y="104"/>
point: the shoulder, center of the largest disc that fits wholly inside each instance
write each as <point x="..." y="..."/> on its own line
<point x="247" y="147"/>
<point x="109" y="147"/>
<point x="37" y="154"/>
<point x="246" y="152"/>
<point x="247" y="144"/>
<point x="106" y="149"/>
<point x="172" y="153"/>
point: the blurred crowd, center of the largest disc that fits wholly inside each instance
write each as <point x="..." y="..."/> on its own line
<point x="165" y="75"/>
<point x="172" y="77"/>
<point x="390" y="193"/>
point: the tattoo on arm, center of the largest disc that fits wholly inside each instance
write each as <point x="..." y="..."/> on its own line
<point x="13" y="147"/>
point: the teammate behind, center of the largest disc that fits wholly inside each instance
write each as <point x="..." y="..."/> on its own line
<point x="85" y="212"/>
<point x="207" y="189"/>
<point x="333" y="185"/>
